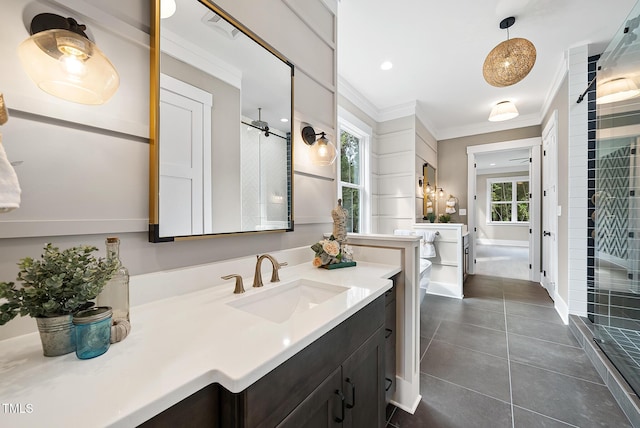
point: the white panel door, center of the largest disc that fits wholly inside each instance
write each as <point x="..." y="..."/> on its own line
<point x="184" y="150"/>
<point x="550" y="207"/>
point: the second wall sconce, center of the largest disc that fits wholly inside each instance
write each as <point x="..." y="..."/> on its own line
<point x="322" y="151"/>
<point x="63" y="62"/>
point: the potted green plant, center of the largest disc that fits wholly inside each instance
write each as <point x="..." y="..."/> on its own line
<point x="431" y="217"/>
<point x="55" y="287"/>
<point x="444" y="218"/>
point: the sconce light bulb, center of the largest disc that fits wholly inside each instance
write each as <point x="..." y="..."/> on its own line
<point x="73" y="65"/>
<point x="441" y="194"/>
<point x="323" y="152"/>
<point x="167" y="8"/>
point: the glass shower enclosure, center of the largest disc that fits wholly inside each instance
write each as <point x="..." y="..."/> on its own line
<point x="614" y="202"/>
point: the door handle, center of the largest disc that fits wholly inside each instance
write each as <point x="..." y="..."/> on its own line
<point x="545" y="233"/>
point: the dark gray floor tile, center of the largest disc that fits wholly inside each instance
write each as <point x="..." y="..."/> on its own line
<point x="496" y="305"/>
<point x="424" y="342"/>
<point x="526" y="419"/>
<point x="552" y="332"/>
<point x="534" y="298"/>
<point x="483" y="290"/>
<point x="462" y="312"/>
<point x="481" y="318"/>
<point x="389" y="411"/>
<point x="429" y="325"/>
<point x="469" y="336"/>
<point x="479" y="372"/>
<point x="565" y="398"/>
<point x="447" y="405"/>
<point x="543" y="313"/>
<point x="551" y="356"/>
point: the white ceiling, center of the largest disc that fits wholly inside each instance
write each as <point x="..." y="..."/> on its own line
<point x="438" y="48"/>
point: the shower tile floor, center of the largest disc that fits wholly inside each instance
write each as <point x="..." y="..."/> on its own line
<point x="501" y="357"/>
<point x="628" y="342"/>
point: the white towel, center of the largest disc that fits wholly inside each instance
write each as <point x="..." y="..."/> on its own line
<point x="9" y="186"/>
<point x="428" y="250"/>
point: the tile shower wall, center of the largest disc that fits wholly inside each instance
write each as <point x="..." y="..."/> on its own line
<point x="614" y="217"/>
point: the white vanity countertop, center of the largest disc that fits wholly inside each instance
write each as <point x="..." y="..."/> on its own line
<point x="176" y="347"/>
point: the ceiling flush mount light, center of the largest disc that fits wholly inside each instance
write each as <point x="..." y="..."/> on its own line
<point x="387" y="65"/>
<point x="504" y="110"/>
<point x="510" y="61"/>
<point x="65" y="63"/>
<point x="620" y="89"/>
<point x="323" y="152"/>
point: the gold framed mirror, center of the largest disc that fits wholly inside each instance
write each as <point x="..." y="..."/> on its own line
<point x="429" y="186"/>
<point x="221" y="113"/>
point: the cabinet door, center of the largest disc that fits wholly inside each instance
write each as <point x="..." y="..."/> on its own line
<point x="390" y="350"/>
<point x="323" y="408"/>
<point x="363" y="384"/>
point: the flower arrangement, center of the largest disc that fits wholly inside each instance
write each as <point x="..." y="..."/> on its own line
<point x="327" y="252"/>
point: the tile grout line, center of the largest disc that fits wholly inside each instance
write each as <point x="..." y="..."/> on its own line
<point x="547" y="416"/>
<point x="506" y="333"/>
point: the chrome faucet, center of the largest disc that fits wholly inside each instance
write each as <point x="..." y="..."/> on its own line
<point x="257" y="278"/>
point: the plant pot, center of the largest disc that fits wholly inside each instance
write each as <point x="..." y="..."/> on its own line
<point x="57" y="335"/>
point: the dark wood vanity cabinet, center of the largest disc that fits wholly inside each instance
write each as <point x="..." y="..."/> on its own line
<point x="336" y="381"/>
<point x="390" y="343"/>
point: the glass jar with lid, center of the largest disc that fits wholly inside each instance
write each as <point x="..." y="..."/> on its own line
<point x="93" y="331"/>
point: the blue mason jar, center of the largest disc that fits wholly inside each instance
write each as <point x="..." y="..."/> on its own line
<point x="93" y="331"/>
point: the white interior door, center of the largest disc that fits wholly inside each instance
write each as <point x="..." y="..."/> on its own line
<point x="550" y="209"/>
<point x="185" y="143"/>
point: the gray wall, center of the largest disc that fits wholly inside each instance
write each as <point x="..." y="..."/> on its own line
<point x="114" y="185"/>
<point x="452" y="162"/>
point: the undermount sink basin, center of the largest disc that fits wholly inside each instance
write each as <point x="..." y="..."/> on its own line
<point x="283" y="301"/>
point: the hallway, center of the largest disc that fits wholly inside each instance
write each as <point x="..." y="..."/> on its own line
<point x="502" y="357"/>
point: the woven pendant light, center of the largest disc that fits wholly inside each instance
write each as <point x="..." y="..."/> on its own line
<point x="510" y="61"/>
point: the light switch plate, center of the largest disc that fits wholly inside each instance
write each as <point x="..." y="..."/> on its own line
<point x="463" y="211"/>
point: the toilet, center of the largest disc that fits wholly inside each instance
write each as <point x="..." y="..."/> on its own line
<point x="425" y="276"/>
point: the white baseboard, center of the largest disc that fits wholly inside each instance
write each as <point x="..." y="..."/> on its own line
<point x="561" y="308"/>
<point x="505" y="242"/>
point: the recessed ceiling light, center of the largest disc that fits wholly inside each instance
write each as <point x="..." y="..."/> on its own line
<point x="284" y="119"/>
<point x="492" y="164"/>
<point x="387" y="65"/>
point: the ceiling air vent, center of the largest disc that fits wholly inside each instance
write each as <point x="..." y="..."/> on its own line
<point x="218" y="23"/>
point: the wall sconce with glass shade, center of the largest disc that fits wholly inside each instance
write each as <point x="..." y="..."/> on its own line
<point x="322" y="151"/>
<point x="504" y="110"/>
<point x="614" y="90"/>
<point x="62" y="61"/>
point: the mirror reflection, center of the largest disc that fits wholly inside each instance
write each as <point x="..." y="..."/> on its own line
<point x="429" y="188"/>
<point x="224" y="127"/>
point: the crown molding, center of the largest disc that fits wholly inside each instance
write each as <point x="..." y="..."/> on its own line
<point x="487" y="127"/>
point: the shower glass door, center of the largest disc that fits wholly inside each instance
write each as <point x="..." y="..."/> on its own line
<point x="616" y="205"/>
